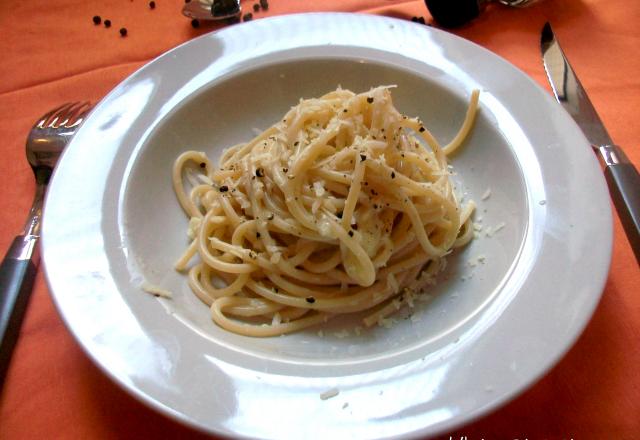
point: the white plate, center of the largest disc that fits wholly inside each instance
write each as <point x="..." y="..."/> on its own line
<point x="493" y="328"/>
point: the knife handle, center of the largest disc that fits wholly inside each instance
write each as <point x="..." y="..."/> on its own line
<point x="624" y="185"/>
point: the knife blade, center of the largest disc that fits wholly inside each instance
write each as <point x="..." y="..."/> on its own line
<point x="621" y="175"/>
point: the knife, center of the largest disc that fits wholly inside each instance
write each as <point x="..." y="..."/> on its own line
<point x="622" y="177"/>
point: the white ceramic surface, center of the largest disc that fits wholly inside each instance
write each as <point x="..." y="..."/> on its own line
<point x="495" y="324"/>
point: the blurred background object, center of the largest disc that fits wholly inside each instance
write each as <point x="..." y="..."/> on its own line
<point x="454" y="13"/>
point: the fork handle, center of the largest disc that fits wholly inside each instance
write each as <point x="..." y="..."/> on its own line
<point x="17" y="274"/>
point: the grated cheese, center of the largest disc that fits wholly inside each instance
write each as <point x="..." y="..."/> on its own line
<point x="333" y="392"/>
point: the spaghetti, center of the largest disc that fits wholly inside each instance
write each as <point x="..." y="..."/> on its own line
<point x="343" y="206"/>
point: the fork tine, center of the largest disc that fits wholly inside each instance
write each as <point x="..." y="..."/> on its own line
<point x="83" y="109"/>
<point x="82" y="113"/>
<point x="78" y="113"/>
<point x="69" y="113"/>
<point x="61" y="116"/>
<point x="45" y="119"/>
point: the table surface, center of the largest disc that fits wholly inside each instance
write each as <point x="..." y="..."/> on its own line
<point x="53" y="53"/>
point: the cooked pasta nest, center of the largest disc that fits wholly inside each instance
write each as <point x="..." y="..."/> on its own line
<point x="345" y="205"/>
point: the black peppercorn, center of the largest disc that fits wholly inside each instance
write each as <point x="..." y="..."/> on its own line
<point x="97" y="20"/>
<point x="107" y="23"/>
<point x="123" y="32"/>
<point x="195" y="23"/>
<point x="152" y="5"/>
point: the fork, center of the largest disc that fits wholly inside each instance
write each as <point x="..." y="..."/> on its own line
<point x="46" y="140"/>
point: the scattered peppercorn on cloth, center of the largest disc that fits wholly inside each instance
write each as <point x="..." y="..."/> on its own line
<point x="56" y="51"/>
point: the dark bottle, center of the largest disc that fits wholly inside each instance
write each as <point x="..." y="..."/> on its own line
<point x="454" y="13"/>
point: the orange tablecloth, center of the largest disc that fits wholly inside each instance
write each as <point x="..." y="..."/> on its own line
<point x="51" y="52"/>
